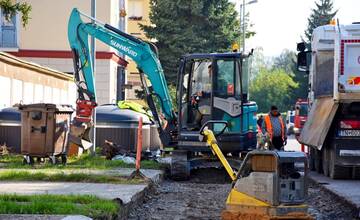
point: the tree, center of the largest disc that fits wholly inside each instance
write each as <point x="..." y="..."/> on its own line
<point x="258" y="62"/>
<point x="272" y="87"/>
<point x="10" y="9"/>
<point x="321" y="15"/>
<point x="189" y="26"/>
<point x="287" y="62"/>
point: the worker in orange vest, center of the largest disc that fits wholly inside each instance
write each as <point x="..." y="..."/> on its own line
<point x="274" y="127"/>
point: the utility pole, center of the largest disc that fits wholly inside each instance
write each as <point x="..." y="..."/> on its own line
<point x="93" y="51"/>
<point x="243" y="23"/>
<point x="121" y="74"/>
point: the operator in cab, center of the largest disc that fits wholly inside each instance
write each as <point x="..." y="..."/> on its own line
<point x="274" y="128"/>
<point x="203" y="87"/>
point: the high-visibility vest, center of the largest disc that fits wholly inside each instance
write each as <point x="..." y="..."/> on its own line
<point x="269" y="127"/>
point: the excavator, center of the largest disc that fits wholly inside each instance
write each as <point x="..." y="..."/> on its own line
<point x="209" y="87"/>
<point x="214" y="117"/>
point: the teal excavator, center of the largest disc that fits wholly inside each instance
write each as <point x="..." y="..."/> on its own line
<point x="210" y="87"/>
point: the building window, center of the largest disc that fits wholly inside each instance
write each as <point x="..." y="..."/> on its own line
<point x="9" y="32"/>
<point x="135" y="10"/>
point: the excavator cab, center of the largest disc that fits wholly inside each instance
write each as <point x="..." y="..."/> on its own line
<point x="215" y="87"/>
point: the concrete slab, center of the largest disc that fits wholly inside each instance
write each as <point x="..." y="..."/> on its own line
<point x="107" y="191"/>
<point x="348" y="190"/>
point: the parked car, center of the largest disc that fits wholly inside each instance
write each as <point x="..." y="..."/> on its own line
<point x="290" y="117"/>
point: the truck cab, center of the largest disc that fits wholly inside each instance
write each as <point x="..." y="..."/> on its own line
<point x="332" y="129"/>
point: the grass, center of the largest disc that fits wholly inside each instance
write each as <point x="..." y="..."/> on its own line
<point x="84" y="161"/>
<point x="13" y="175"/>
<point x="87" y="205"/>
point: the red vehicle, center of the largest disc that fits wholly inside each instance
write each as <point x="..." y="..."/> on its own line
<point x="301" y="112"/>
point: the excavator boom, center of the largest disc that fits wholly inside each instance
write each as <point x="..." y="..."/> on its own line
<point x="139" y="51"/>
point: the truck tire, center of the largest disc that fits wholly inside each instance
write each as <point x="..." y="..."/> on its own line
<point x="180" y="165"/>
<point x="356" y="173"/>
<point x="336" y="171"/>
<point x="325" y="160"/>
<point x="318" y="161"/>
<point x="312" y="159"/>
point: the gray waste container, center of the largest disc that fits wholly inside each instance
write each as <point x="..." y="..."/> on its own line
<point x="120" y="127"/>
<point x="10" y="129"/>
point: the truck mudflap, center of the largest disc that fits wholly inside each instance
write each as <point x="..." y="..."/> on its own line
<point x="318" y="123"/>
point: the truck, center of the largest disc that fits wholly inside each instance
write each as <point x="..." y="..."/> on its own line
<point x="210" y="87"/>
<point x="332" y="130"/>
<point x="301" y="111"/>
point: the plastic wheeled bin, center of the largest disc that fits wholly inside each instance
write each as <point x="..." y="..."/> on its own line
<point x="44" y="131"/>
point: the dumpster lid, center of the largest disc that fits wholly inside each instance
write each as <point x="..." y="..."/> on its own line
<point x="48" y="106"/>
<point x="113" y="114"/>
<point x="10" y="114"/>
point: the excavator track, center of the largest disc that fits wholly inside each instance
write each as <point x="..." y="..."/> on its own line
<point x="180" y="165"/>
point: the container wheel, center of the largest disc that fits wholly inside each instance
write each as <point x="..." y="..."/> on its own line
<point x="325" y="161"/>
<point x="28" y="160"/>
<point x="64" y="159"/>
<point x="336" y="171"/>
<point x="53" y="160"/>
<point x="180" y="166"/>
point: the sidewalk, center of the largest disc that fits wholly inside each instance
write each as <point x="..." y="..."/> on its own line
<point x="123" y="192"/>
<point x="127" y="194"/>
<point x="347" y="190"/>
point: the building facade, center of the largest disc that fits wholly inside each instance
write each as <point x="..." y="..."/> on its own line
<point x="137" y="13"/>
<point x="26" y="82"/>
<point x="44" y="40"/>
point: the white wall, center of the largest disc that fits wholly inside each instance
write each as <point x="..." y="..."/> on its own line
<point x="15" y="91"/>
<point x="105" y="78"/>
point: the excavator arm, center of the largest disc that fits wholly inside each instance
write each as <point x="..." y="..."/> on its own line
<point x="139" y="51"/>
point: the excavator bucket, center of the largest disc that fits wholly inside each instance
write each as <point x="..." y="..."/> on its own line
<point x="80" y="135"/>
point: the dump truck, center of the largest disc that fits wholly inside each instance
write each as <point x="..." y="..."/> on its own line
<point x="301" y="111"/>
<point x="332" y="129"/>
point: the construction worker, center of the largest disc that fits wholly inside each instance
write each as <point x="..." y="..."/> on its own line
<point x="274" y="127"/>
<point x="260" y="121"/>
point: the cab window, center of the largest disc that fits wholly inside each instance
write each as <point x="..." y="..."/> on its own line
<point x="227" y="80"/>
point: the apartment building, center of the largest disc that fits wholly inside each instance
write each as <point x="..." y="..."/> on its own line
<point x="44" y="40"/>
<point x="137" y="13"/>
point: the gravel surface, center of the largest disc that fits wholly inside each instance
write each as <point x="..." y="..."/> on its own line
<point x="324" y="206"/>
<point x="203" y="197"/>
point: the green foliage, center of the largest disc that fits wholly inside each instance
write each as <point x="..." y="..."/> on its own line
<point x="272" y="87"/>
<point x="140" y="94"/>
<point x="85" y="161"/>
<point x="59" y="204"/>
<point x="191" y="26"/>
<point x="287" y="61"/>
<point x="321" y="15"/>
<point x="10" y="9"/>
<point x="60" y="176"/>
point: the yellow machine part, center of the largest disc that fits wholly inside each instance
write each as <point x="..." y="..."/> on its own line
<point x="244" y="207"/>
<point x="211" y="140"/>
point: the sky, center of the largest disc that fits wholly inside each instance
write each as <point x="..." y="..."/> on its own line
<point x="279" y="24"/>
